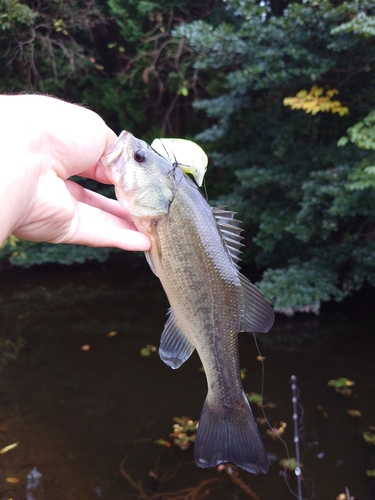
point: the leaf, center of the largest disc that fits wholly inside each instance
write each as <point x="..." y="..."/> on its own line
<point x="354" y="413"/>
<point x="276" y="432"/>
<point x="315" y="102"/>
<point x="290" y="464"/>
<point x="163" y="442"/>
<point x="8" y="448"/>
<point x="369" y="437"/>
<point x="340" y="383"/>
<point x="12" y="480"/>
<point x="255" y="398"/>
<point x="147" y="350"/>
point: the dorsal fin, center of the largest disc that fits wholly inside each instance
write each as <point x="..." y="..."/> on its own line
<point x="230" y="231"/>
<point x="257" y="313"/>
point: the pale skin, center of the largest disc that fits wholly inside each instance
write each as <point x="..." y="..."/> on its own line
<point x="43" y="142"/>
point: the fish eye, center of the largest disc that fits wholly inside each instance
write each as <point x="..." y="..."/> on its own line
<point x="140" y="156"/>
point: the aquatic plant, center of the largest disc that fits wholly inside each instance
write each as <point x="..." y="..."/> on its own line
<point x="342" y="385"/>
<point x="183" y="435"/>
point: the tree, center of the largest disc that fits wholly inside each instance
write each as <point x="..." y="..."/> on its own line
<point x="45" y="43"/>
<point x="116" y="56"/>
<point x="311" y="228"/>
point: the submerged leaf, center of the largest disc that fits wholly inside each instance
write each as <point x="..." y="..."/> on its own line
<point x="8" y="448"/>
<point x="163" y="442"/>
<point x="369" y="436"/>
<point x="354" y="413"/>
<point x="342" y="386"/>
<point x="276" y="432"/>
<point x="147" y="350"/>
<point x="340" y="382"/>
<point x="290" y="464"/>
<point x="12" y="480"/>
<point x="257" y="399"/>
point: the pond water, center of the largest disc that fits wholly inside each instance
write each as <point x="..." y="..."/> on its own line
<point x="86" y="408"/>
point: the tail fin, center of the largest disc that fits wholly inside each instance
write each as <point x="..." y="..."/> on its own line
<point x="233" y="437"/>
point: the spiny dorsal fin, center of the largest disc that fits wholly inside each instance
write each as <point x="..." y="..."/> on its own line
<point x="231" y="232"/>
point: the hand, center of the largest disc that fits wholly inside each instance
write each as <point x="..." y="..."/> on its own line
<point x="44" y="141"/>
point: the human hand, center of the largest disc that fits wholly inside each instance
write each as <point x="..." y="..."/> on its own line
<point x="44" y="141"/>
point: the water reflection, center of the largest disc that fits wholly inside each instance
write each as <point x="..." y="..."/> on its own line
<point x="33" y="483"/>
<point x="78" y="415"/>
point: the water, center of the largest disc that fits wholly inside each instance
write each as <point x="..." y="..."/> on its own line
<point x="79" y="415"/>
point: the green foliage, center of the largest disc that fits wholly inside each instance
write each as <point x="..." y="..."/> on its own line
<point x="361" y="24"/>
<point x="25" y="254"/>
<point x="116" y="56"/>
<point x="362" y="134"/>
<point x="307" y="204"/>
<point x="133" y="16"/>
<point x="46" y="43"/>
<point x="14" y="15"/>
<point x="300" y="287"/>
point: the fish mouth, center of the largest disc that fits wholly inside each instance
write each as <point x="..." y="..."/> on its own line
<point x="117" y="155"/>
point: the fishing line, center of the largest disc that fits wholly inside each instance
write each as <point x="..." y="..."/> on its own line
<point x="299" y="497"/>
<point x="205" y="189"/>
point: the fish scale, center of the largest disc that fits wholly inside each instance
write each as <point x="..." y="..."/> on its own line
<point x="195" y="251"/>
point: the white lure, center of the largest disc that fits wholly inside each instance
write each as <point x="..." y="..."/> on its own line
<point x="187" y="155"/>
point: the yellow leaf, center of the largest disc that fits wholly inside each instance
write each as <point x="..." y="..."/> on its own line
<point x="315" y="101"/>
<point x="8" y="448"/>
<point x="12" y="480"/>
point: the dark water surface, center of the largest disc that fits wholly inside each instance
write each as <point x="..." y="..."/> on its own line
<point x="77" y="415"/>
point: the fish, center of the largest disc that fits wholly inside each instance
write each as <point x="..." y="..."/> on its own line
<point x="195" y="253"/>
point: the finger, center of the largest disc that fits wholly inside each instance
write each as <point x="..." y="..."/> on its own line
<point x="92" y="226"/>
<point x="97" y="200"/>
<point x="76" y="141"/>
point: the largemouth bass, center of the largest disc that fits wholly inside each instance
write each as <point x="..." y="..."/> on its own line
<point x="195" y="250"/>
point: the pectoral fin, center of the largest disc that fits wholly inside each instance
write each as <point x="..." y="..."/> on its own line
<point x="175" y="347"/>
<point x="257" y="313"/>
<point x="155" y="240"/>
